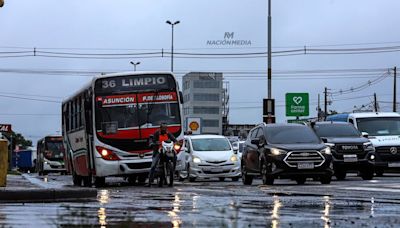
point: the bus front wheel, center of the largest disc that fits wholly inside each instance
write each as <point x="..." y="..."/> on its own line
<point x="76" y="179"/>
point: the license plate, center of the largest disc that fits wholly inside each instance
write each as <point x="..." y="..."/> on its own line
<point x="350" y="158"/>
<point x="394" y="164"/>
<point x="305" y="165"/>
<point x="216" y="170"/>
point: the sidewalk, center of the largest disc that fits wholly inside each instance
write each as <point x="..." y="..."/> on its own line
<point x="22" y="188"/>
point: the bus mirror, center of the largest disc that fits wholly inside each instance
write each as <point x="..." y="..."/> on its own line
<point x="181" y="97"/>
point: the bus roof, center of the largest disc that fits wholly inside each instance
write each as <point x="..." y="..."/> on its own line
<point x="58" y="137"/>
<point x="119" y="74"/>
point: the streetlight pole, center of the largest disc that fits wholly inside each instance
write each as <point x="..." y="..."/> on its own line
<point x="135" y="64"/>
<point x="269" y="103"/>
<point x="269" y="52"/>
<point x="172" y="42"/>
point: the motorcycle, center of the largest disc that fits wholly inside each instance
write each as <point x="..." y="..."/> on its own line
<point x="165" y="168"/>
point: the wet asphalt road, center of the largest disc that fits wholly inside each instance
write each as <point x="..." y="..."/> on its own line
<point x="210" y="203"/>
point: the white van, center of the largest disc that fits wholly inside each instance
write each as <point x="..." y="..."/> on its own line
<point x="383" y="129"/>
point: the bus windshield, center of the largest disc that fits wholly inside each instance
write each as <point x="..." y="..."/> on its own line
<point x="132" y="107"/>
<point x="138" y="115"/>
<point x="54" y="150"/>
<point x="379" y="126"/>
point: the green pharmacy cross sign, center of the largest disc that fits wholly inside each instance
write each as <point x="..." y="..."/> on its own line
<point x="297" y="104"/>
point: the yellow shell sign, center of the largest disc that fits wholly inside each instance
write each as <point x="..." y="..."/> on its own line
<point x="194" y="125"/>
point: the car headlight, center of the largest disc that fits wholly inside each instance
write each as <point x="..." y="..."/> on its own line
<point x="275" y="151"/>
<point x="234" y="158"/>
<point x="368" y="146"/>
<point x="326" y="150"/>
<point x="196" y="160"/>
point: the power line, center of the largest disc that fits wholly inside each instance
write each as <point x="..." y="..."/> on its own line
<point x="36" y="52"/>
<point x="31" y="99"/>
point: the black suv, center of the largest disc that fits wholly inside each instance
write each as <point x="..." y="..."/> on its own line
<point x="291" y="151"/>
<point x="350" y="151"/>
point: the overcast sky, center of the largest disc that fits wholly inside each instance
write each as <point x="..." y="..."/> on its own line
<point x="86" y="26"/>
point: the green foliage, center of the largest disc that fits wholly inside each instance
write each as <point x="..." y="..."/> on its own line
<point x="18" y="139"/>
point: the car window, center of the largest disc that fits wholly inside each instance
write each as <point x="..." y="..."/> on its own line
<point x="291" y="135"/>
<point x="241" y="147"/>
<point x="336" y="130"/>
<point x="211" y="144"/>
<point x="254" y="133"/>
<point x="187" y="144"/>
<point x="351" y="121"/>
<point x="259" y="133"/>
<point x="379" y="126"/>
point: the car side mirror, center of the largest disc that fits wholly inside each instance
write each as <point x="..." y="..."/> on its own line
<point x="325" y="140"/>
<point x="187" y="150"/>
<point x="255" y="141"/>
<point x="364" y="134"/>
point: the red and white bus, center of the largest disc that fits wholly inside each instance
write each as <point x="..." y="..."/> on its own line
<point x="106" y="125"/>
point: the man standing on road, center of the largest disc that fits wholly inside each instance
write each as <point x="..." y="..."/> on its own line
<point x="159" y="136"/>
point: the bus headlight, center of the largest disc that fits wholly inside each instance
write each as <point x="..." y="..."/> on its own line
<point x="107" y="154"/>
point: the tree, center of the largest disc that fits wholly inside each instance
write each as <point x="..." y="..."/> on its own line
<point x="18" y="139"/>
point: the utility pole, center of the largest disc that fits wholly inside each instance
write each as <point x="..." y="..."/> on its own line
<point x="326" y="103"/>
<point x="394" y="89"/>
<point x="375" y="103"/>
<point x="269" y="103"/>
<point x="319" y="108"/>
<point x="269" y="52"/>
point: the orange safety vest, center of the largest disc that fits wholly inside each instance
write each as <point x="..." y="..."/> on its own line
<point x="163" y="138"/>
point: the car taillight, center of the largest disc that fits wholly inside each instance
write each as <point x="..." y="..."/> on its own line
<point x="107" y="154"/>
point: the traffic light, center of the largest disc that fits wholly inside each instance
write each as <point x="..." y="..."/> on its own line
<point x="1" y="3"/>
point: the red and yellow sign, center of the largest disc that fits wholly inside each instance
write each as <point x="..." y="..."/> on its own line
<point x="194" y="125"/>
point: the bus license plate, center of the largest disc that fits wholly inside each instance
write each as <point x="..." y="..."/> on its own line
<point x="394" y="164"/>
<point x="305" y="165"/>
<point x="350" y="158"/>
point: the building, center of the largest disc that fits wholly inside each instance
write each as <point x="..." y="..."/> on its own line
<point x="205" y="102"/>
<point x="239" y="130"/>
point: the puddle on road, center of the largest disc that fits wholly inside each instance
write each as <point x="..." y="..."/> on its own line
<point x="183" y="208"/>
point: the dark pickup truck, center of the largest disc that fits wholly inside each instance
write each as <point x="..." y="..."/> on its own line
<point x="350" y="150"/>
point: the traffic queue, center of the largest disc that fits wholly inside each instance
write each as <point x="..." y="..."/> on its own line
<point x="365" y="143"/>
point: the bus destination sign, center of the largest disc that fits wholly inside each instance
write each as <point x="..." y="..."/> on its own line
<point x="134" y="82"/>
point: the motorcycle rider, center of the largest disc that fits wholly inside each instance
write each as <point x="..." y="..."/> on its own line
<point x="159" y="136"/>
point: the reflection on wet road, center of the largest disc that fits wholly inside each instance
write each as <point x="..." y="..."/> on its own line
<point x="216" y="204"/>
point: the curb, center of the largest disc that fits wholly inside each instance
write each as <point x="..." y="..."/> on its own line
<point x="45" y="195"/>
<point x="44" y="192"/>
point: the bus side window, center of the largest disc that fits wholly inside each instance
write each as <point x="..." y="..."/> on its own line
<point x="69" y="126"/>
<point x="351" y="121"/>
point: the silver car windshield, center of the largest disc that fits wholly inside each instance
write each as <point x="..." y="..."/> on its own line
<point x="211" y="144"/>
